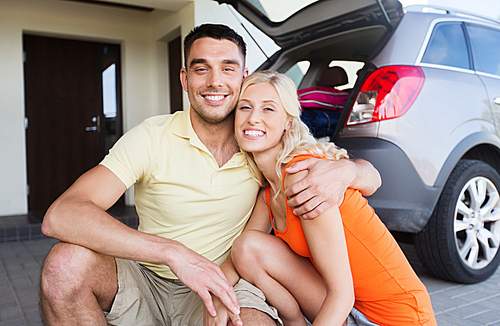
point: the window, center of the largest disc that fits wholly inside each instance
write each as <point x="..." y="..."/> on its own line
<point x="447" y="46"/>
<point x="351" y="68"/>
<point x="485" y="44"/>
<point x="109" y="91"/>
<point x="298" y="71"/>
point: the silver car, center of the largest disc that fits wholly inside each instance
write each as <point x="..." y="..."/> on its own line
<point x="424" y="109"/>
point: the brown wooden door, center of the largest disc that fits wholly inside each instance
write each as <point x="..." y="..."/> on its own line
<point x="175" y="65"/>
<point x="66" y="130"/>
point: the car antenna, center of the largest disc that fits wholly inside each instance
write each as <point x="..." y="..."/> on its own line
<point x="231" y="9"/>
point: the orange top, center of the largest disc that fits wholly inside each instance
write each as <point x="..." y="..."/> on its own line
<point x="386" y="289"/>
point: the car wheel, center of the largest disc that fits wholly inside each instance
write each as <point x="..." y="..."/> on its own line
<point x="460" y="242"/>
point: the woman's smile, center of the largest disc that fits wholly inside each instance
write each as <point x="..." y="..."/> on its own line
<point x="260" y="118"/>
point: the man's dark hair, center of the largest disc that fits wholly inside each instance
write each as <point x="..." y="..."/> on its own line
<point x="215" y="31"/>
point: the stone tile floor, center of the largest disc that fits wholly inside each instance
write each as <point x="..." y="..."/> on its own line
<point x="454" y="304"/>
<point x="460" y="304"/>
<point x="19" y="278"/>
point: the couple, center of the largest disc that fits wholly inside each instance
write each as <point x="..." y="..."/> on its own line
<point x="194" y="194"/>
<point x="317" y="268"/>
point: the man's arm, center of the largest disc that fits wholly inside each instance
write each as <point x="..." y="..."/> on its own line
<point x="79" y="216"/>
<point x="326" y="183"/>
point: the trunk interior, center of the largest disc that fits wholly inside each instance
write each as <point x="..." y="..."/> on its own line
<point x="350" y="50"/>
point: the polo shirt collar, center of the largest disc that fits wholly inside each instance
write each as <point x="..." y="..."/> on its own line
<point x="184" y="129"/>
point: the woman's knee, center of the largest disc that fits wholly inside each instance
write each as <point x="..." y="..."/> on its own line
<point x="250" y="248"/>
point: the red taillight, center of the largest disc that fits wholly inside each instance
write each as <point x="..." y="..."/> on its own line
<point x="386" y="94"/>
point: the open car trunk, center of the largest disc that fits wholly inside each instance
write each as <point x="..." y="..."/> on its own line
<point x="322" y="34"/>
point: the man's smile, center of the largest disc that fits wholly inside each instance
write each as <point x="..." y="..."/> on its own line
<point x="215" y="98"/>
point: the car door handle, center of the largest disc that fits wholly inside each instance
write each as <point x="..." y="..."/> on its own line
<point x="496" y="100"/>
<point x="94" y="128"/>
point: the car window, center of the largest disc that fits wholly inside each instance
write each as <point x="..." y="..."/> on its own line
<point x="485" y="44"/>
<point x="298" y="71"/>
<point x="447" y="46"/>
<point x="351" y="68"/>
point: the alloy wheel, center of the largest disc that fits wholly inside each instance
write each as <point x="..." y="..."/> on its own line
<point x="477" y="223"/>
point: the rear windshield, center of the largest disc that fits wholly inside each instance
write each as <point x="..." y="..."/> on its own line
<point x="276" y="11"/>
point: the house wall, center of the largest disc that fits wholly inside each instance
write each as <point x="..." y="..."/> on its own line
<point x="144" y="38"/>
<point x="132" y="29"/>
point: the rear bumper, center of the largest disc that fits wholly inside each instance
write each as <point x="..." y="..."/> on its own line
<point x="403" y="202"/>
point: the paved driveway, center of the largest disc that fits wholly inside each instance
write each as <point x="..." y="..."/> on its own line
<point x="454" y="304"/>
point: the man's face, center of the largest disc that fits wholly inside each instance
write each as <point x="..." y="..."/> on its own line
<point x="212" y="77"/>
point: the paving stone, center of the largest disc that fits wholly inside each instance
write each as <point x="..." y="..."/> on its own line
<point x="487" y="318"/>
<point x="435" y="285"/>
<point x="17" y="322"/>
<point x="492" y="303"/>
<point x="7" y="297"/>
<point x="10" y="312"/>
<point x="472" y="296"/>
<point x="20" y="263"/>
<point x="468" y="311"/>
<point x="445" y="323"/>
<point x="455" y="320"/>
<point x="27" y="295"/>
<point x="34" y="321"/>
<point x="441" y="304"/>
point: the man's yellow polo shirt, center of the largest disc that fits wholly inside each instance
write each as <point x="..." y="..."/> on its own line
<point x="180" y="191"/>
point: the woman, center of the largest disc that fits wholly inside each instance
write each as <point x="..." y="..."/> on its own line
<point x="316" y="268"/>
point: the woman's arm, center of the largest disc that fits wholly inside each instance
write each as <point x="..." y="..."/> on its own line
<point x="260" y="220"/>
<point x="326" y="240"/>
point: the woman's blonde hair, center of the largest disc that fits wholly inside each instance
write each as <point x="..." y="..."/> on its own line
<point x="297" y="139"/>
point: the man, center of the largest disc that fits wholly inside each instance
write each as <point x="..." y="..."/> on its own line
<point x="193" y="193"/>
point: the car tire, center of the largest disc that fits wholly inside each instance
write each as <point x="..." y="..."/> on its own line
<point x="460" y="242"/>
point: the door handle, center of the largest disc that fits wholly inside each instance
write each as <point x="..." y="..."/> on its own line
<point x="496" y="100"/>
<point x="97" y="127"/>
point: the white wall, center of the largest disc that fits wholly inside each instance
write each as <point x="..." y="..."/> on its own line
<point x="132" y="29"/>
<point x="144" y="37"/>
<point x="12" y="144"/>
<point x="166" y="29"/>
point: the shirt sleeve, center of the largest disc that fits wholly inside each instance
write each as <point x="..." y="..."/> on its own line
<point x="130" y="158"/>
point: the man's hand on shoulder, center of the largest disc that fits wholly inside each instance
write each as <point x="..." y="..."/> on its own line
<point x="326" y="182"/>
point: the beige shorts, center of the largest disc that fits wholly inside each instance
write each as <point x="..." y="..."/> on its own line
<point x="144" y="298"/>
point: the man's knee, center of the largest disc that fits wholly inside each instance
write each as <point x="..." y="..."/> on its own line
<point x="68" y="269"/>
<point x="252" y="317"/>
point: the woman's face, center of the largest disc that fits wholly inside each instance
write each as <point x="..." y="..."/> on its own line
<point x="260" y="118"/>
